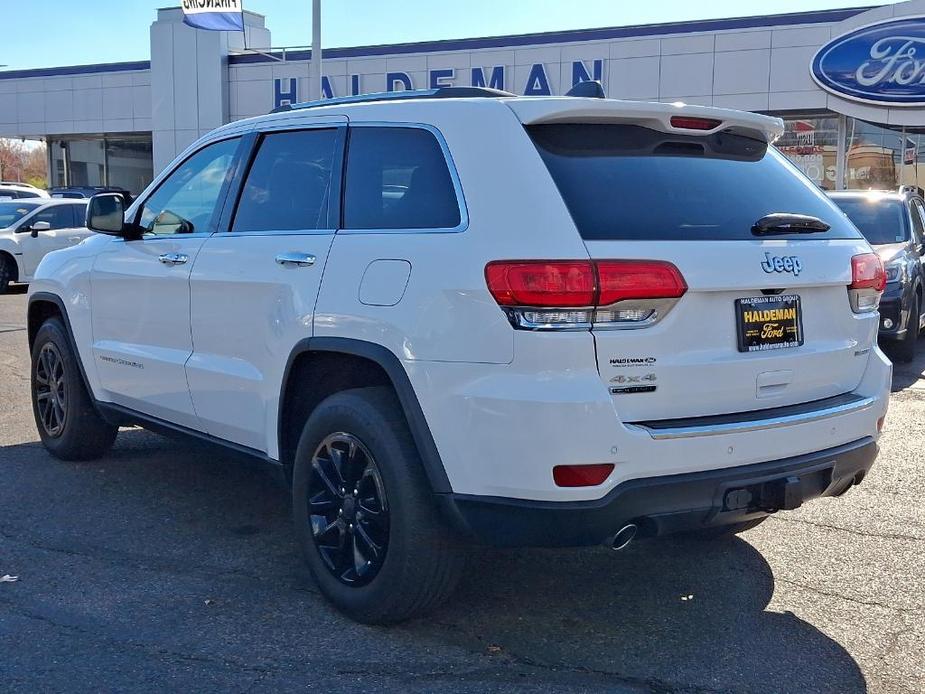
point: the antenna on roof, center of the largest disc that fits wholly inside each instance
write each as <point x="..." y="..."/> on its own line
<point x="589" y="90"/>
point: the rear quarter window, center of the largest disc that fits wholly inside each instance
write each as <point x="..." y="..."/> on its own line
<point x="629" y="182"/>
<point x="398" y="178"/>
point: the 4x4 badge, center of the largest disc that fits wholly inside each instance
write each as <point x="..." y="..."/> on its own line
<point x="782" y="263"/>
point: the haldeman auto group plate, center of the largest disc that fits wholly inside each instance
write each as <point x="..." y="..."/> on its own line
<point x="769" y="322"/>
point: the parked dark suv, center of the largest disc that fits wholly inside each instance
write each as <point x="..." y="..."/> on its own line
<point x="894" y="224"/>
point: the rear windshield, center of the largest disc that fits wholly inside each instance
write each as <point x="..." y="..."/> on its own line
<point x="630" y="182"/>
<point x="881" y="221"/>
<point x="12" y="212"/>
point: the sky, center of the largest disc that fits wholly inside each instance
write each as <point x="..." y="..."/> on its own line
<point x="62" y="32"/>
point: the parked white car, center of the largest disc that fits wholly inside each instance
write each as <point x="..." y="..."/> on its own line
<point x="16" y="191"/>
<point x="30" y="228"/>
<point x="464" y="316"/>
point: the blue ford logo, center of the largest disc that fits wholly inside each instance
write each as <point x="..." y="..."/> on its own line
<point x="880" y="63"/>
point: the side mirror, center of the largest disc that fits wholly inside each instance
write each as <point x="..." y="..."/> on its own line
<point x="106" y="214"/>
<point x="37" y="227"/>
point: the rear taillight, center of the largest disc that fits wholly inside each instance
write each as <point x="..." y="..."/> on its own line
<point x="692" y="123"/>
<point x="868" y="280"/>
<point x="579" y="294"/>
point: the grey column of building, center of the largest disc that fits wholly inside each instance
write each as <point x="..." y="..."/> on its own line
<point x="189" y="79"/>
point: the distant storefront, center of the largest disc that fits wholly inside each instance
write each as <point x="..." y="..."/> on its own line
<point x="846" y="82"/>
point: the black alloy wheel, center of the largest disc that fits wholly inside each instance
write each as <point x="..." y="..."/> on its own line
<point x="348" y="510"/>
<point x="51" y="390"/>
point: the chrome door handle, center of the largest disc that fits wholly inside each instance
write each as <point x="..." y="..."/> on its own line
<point x="296" y="259"/>
<point x="174" y="258"/>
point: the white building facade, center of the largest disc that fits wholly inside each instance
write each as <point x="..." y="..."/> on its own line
<point x="857" y="124"/>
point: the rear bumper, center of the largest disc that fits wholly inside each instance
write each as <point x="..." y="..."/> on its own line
<point x="667" y="504"/>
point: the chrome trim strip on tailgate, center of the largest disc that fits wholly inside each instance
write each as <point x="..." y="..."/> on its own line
<point x="716" y="428"/>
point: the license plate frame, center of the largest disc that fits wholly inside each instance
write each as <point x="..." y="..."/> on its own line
<point x="759" y="331"/>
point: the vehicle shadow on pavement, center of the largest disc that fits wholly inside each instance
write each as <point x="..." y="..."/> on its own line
<point x="667" y="614"/>
<point x="906" y="375"/>
<point x="182" y="525"/>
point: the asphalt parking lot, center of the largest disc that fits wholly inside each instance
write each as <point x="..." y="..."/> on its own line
<point x="166" y="566"/>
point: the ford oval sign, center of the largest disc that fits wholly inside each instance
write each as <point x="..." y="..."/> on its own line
<point x="882" y="63"/>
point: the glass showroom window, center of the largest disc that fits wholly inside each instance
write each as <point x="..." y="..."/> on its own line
<point x="874" y="156"/>
<point x="811" y="143"/>
<point x="125" y="161"/>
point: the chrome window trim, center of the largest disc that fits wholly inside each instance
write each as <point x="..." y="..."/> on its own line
<point x="451" y="167"/>
<point x="282" y="232"/>
<point x="682" y="432"/>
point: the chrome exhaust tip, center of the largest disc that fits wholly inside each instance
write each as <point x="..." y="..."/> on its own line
<point x="624" y="537"/>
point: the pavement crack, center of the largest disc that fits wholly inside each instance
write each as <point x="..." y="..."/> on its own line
<point x="856" y="601"/>
<point x="852" y="531"/>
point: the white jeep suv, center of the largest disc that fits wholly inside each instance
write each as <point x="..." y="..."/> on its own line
<point x="463" y="316"/>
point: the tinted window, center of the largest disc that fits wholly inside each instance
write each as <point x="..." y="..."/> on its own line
<point x="185" y="200"/>
<point x="58" y="216"/>
<point x="28" y="194"/>
<point x="12" y="212"/>
<point x="880" y="220"/>
<point x="397" y="178"/>
<point x="289" y="184"/>
<point x="629" y="182"/>
<point x="80" y="214"/>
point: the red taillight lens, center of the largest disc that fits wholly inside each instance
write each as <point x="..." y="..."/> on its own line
<point x="619" y="280"/>
<point x="867" y="272"/>
<point x="551" y="283"/>
<point x="581" y="475"/>
<point x="581" y="283"/>
<point x="691" y="123"/>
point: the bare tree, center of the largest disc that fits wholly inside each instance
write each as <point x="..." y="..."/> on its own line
<point x="21" y="163"/>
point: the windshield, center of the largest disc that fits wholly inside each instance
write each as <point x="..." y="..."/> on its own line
<point x="630" y="182"/>
<point x="880" y="220"/>
<point x="12" y="212"/>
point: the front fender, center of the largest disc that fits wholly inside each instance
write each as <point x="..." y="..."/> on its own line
<point x="63" y="278"/>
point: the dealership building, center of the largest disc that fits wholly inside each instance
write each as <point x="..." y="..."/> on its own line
<point x="846" y="82"/>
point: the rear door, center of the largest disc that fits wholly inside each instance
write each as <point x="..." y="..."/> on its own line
<point x="765" y="320"/>
<point x="255" y="282"/>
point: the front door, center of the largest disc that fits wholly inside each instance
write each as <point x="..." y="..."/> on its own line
<point x="140" y="289"/>
<point x="255" y="281"/>
<point x="65" y="228"/>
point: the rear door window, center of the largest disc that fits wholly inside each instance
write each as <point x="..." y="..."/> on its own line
<point x="629" y="182"/>
<point x="288" y="186"/>
<point x="398" y="178"/>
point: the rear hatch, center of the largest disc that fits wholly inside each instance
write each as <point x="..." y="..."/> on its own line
<point x="765" y="320"/>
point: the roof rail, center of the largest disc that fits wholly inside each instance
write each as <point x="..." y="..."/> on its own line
<point x="440" y="93"/>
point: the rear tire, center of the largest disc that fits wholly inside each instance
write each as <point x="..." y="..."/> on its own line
<point x="721" y="531"/>
<point x="67" y="421"/>
<point x="905" y="348"/>
<point x="359" y="440"/>
<point x="7" y="272"/>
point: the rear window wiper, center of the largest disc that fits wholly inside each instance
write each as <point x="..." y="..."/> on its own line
<point x="787" y="223"/>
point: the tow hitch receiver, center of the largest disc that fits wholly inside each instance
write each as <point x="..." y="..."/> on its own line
<point x="781" y="494"/>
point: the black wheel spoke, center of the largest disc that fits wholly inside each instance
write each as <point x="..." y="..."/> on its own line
<point x="373" y="550"/>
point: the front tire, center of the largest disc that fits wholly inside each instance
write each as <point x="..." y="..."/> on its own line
<point x="68" y="423"/>
<point x="7" y="272"/>
<point x="364" y="513"/>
